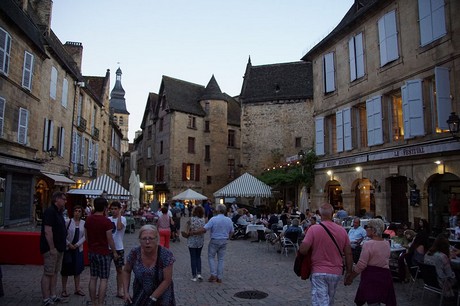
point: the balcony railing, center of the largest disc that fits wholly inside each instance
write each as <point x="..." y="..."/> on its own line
<point x="95" y="133"/>
<point x="81" y="124"/>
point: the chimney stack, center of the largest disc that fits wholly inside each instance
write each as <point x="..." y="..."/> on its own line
<point x="75" y="49"/>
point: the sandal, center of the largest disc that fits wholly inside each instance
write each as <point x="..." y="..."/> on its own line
<point x="64" y="294"/>
<point x="79" y="292"/>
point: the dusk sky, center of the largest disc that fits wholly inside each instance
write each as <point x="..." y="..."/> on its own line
<point x="190" y="40"/>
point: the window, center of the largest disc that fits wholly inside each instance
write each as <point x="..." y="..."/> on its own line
<point x="48" y="135"/>
<point x="149" y="152"/>
<point x="90" y="153"/>
<point x="206" y="107"/>
<point x="191" y="122"/>
<point x="331" y="133"/>
<point x="61" y="142"/>
<point x="120" y="121"/>
<point x="23" y="125"/>
<point x="209" y="180"/>
<point x="374" y="121"/>
<point x="231" y="168"/>
<point x="328" y="72"/>
<point x="397" y="124"/>
<point x="441" y="91"/>
<point x="388" y="38"/>
<point x="65" y="91"/>
<point x="207" y="152"/>
<point x="160" y="125"/>
<point x="412" y="102"/>
<point x="298" y="142"/>
<point x="84" y="145"/>
<point x="160" y="173"/>
<point x="206" y="126"/>
<point x="5" y="49"/>
<point x="53" y="83"/>
<point x="361" y="118"/>
<point x="115" y="119"/>
<point x="161" y="147"/>
<point x="75" y="147"/>
<point x="149" y="132"/>
<point x="191" y="145"/>
<point x="27" y="70"/>
<point x="190" y="172"/>
<point x="231" y="138"/>
<point x="432" y="20"/>
<point x="356" y="54"/>
<point x="2" y="115"/>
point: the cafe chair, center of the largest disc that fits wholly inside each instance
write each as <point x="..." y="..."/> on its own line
<point x="287" y="244"/>
<point x="414" y="274"/>
<point x="430" y="281"/>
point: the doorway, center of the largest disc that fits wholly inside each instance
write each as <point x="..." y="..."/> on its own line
<point x="398" y="199"/>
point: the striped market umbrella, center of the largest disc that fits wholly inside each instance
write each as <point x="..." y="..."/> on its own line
<point x="113" y="189"/>
<point x="245" y="186"/>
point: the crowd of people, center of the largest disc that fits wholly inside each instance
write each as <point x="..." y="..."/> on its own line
<point x="361" y="250"/>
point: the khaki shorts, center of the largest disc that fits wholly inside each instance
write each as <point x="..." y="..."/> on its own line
<point x="52" y="262"/>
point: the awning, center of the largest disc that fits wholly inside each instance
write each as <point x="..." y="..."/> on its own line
<point x="86" y="192"/>
<point x="59" y="179"/>
<point x="245" y="186"/>
<point x="106" y="183"/>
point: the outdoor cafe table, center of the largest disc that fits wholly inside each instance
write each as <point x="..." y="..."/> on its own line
<point x="254" y="228"/>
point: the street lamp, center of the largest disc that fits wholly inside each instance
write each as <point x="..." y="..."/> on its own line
<point x="454" y="122"/>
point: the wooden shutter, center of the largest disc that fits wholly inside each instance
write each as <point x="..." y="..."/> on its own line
<point x="443" y="102"/>
<point x="74" y="147"/>
<point x="23" y="125"/>
<point x="352" y="58"/>
<point x="359" y="47"/>
<point x="62" y="142"/>
<point x="2" y="114"/>
<point x="329" y="72"/>
<point x="319" y="132"/>
<point x="45" y="134"/>
<point x="65" y="92"/>
<point x="184" y="171"/>
<point x="27" y="70"/>
<point x="413" y="109"/>
<point x="388" y="38"/>
<point x="347" y="139"/>
<point x="374" y="121"/>
<point x="53" y="83"/>
<point x="339" y="130"/>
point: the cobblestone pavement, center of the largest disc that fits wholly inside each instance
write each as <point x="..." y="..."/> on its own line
<point x="248" y="266"/>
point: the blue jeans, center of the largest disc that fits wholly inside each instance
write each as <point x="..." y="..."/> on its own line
<point x="323" y="288"/>
<point x="195" y="260"/>
<point x="217" y="247"/>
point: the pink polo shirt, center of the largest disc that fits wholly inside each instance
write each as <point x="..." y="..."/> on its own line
<point x="325" y="256"/>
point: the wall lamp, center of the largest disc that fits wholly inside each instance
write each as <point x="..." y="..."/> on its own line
<point x="51" y="153"/>
<point x="454" y="122"/>
<point x="331" y="174"/>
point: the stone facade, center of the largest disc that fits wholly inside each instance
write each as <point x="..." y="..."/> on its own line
<point x="390" y="152"/>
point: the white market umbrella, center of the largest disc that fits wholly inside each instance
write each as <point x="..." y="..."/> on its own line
<point x="189" y="194"/>
<point x="303" y="200"/>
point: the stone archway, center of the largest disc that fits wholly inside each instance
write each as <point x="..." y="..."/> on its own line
<point x="364" y="197"/>
<point x="333" y="192"/>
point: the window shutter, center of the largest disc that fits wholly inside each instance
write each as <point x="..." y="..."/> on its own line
<point x="184" y="171"/>
<point x="438" y="18"/>
<point x="62" y="142"/>
<point x="90" y="153"/>
<point x="424" y="12"/>
<point x="23" y="124"/>
<point x="45" y="134"/>
<point x="347" y="129"/>
<point x="51" y="137"/>
<point x="53" y="83"/>
<point x="388" y="38"/>
<point x="82" y="150"/>
<point x="2" y="114"/>
<point x="329" y="72"/>
<point x="374" y="121"/>
<point x="351" y="52"/>
<point x="74" y="148"/>
<point x="197" y="172"/>
<point x="27" y="70"/>
<point x="443" y="103"/>
<point x="96" y="153"/>
<point x="319" y="139"/>
<point x="339" y="129"/>
<point x="413" y="109"/>
<point x="65" y="91"/>
<point x="5" y="49"/>
<point x="359" y="55"/>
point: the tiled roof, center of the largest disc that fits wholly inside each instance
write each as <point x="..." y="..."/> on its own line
<point x="354" y="15"/>
<point x="284" y="81"/>
<point x="212" y="91"/>
<point x="233" y="111"/>
<point x="183" y="96"/>
<point x="97" y="85"/>
<point x="152" y="100"/>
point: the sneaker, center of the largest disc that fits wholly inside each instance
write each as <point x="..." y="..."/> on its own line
<point x="48" y="302"/>
<point x="200" y="278"/>
<point x="212" y="279"/>
<point x="193" y="279"/>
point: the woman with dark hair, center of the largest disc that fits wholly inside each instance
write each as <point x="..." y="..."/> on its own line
<point x="195" y="242"/>
<point x="439" y="256"/>
<point x="423" y="226"/>
<point x="418" y="249"/>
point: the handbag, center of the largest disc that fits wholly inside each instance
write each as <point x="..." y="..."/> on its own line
<point x="302" y="265"/>
<point x="186" y="233"/>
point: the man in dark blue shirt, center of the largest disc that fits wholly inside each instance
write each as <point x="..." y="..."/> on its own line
<point x="52" y="246"/>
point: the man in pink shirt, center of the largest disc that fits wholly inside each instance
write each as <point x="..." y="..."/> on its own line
<point x="327" y="261"/>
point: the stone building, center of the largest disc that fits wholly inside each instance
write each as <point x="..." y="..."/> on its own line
<point x="119" y="111"/>
<point x="276" y="111"/>
<point x="384" y="87"/>
<point x="194" y="139"/>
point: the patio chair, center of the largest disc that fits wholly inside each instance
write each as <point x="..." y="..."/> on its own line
<point x="287" y="244"/>
<point x="430" y="280"/>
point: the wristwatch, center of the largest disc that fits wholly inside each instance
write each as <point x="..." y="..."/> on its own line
<point x="153" y="298"/>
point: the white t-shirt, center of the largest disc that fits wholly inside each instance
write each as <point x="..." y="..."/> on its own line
<point x="118" y="234"/>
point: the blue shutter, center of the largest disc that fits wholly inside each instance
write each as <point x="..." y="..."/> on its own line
<point x="319" y="139"/>
<point x="329" y="72"/>
<point x="439" y="18"/>
<point x="23" y="125"/>
<point x="347" y="129"/>
<point x="388" y="38"/>
<point x="374" y="121"/>
<point x="45" y="134"/>
<point x="27" y="70"/>
<point x="443" y="103"/>
<point x="413" y="110"/>
<point x="74" y="147"/>
<point x="339" y="130"/>
<point x="405" y="107"/>
<point x="424" y="15"/>
<point x="62" y="142"/>
<point x="370" y="122"/>
<point x="359" y="55"/>
<point x="351" y="52"/>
